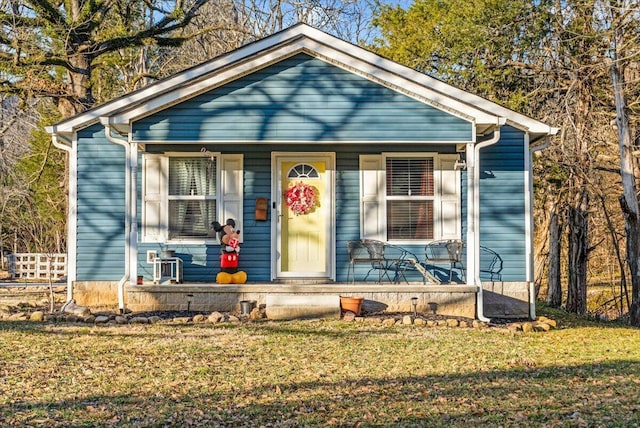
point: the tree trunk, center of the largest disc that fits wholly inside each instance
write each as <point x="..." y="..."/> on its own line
<point x="578" y="249"/>
<point x="554" y="287"/>
<point x="629" y="198"/>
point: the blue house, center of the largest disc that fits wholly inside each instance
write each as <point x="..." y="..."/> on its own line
<point x="389" y="153"/>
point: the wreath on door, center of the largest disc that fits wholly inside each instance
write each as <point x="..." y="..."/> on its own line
<point x="301" y="198"/>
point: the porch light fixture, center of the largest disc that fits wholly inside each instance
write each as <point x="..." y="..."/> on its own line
<point x="414" y="303"/>
<point x="460" y="163"/>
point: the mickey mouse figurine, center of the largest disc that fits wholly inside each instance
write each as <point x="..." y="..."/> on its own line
<point x="230" y="247"/>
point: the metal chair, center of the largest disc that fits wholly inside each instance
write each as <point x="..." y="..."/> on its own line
<point x="380" y="256"/>
<point x="365" y="251"/>
<point x="445" y="252"/>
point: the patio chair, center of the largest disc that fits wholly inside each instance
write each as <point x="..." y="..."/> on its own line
<point x="445" y="252"/>
<point x="380" y="256"/>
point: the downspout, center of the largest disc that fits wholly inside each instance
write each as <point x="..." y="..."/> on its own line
<point x="69" y="149"/>
<point x="474" y="172"/>
<point x="530" y="274"/>
<point x="127" y="217"/>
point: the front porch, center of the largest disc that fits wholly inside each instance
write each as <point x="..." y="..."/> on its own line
<point x="442" y="299"/>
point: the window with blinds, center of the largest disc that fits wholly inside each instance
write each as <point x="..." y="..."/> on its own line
<point x="410" y="195"/>
<point x="192" y="196"/>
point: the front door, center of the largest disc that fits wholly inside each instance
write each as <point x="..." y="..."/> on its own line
<point x="303" y="221"/>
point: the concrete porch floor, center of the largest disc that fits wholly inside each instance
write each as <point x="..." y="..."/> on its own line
<point x="441" y="299"/>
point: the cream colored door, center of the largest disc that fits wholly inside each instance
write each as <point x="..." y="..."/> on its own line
<point x="304" y="230"/>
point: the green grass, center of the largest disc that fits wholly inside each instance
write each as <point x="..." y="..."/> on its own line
<point x="318" y="373"/>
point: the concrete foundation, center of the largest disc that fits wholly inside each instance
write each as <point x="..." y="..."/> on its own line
<point x="444" y="299"/>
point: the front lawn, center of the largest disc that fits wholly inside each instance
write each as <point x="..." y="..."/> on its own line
<point x="318" y="373"/>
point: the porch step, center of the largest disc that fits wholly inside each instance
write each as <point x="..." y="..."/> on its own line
<point x="290" y="306"/>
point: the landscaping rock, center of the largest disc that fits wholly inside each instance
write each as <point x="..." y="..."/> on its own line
<point x="349" y="316"/>
<point x="407" y="320"/>
<point x="527" y="327"/>
<point x="257" y="314"/>
<point x="198" y="318"/>
<point x="441" y="323"/>
<point x="478" y="324"/>
<point x="514" y="327"/>
<point x="431" y="323"/>
<point x="101" y="319"/>
<point x="139" y="320"/>
<point x="388" y="322"/>
<point x="463" y="324"/>
<point x="215" y="317"/>
<point x="181" y="320"/>
<point x="452" y="322"/>
<point x="233" y="318"/>
<point x="548" y="321"/>
<point x="541" y="326"/>
<point x="374" y="320"/>
<point x="37" y="316"/>
<point x="154" y="319"/>
<point x="121" y="320"/>
<point x="89" y="319"/>
<point x="419" y="322"/>
<point x="71" y="308"/>
<point x="18" y="316"/>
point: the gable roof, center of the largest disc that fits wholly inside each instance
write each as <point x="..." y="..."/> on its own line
<point x="122" y="111"/>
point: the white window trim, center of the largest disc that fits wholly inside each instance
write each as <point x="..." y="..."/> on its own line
<point x="222" y="213"/>
<point x="373" y="229"/>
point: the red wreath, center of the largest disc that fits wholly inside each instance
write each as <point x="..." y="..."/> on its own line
<point x="301" y="198"/>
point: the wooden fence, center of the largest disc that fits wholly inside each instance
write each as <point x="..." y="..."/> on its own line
<point x="37" y="266"/>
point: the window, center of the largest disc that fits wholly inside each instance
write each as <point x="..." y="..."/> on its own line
<point x="410" y="198"/>
<point x="303" y="170"/>
<point x="184" y="193"/>
<point x="192" y="196"/>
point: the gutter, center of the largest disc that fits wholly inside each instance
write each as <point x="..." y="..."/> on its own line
<point x="130" y="212"/>
<point x="532" y="288"/>
<point x="474" y="172"/>
<point x="67" y="146"/>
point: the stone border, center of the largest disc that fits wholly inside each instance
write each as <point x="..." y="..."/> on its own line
<point x="79" y="314"/>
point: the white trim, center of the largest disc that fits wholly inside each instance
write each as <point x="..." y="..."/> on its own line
<point x="298" y="142"/>
<point x="528" y="220"/>
<point x="300" y="38"/>
<point x="529" y="196"/>
<point x="72" y="212"/>
<point x="327" y="200"/>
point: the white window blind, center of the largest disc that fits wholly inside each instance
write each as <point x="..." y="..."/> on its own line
<point x="410" y="198"/>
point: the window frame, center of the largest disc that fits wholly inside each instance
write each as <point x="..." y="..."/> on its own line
<point x="409" y="198"/>
<point x="373" y="196"/>
<point x="156" y="230"/>
<point x="169" y="197"/>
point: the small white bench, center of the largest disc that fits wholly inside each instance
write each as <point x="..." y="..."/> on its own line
<point x="290" y="306"/>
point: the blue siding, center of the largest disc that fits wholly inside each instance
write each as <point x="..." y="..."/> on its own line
<point x="302" y="99"/>
<point x="202" y="263"/>
<point x="502" y="203"/>
<point x="101" y="207"/>
<point x="100" y="230"/>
